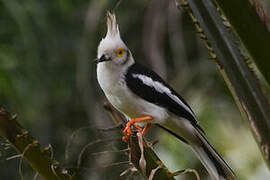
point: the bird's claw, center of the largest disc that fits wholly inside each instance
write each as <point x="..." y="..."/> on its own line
<point x="128" y="132"/>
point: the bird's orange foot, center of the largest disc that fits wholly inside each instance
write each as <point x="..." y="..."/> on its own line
<point x="127" y="131"/>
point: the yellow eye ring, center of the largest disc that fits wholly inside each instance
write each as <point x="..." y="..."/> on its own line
<point x="120" y="52"/>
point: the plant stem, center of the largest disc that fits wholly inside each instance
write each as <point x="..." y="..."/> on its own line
<point x="37" y="156"/>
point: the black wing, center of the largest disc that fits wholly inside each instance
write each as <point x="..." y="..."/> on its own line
<point x="151" y="87"/>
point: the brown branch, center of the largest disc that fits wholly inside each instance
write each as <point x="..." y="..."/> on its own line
<point x="152" y="161"/>
<point x="37" y="156"/>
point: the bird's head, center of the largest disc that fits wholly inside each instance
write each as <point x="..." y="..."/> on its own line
<point x="112" y="50"/>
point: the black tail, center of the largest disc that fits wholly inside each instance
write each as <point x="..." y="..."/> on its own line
<point x="212" y="161"/>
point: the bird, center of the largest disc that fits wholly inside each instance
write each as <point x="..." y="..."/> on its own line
<point x="145" y="98"/>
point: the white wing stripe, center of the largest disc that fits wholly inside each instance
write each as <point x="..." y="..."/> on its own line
<point x="162" y="89"/>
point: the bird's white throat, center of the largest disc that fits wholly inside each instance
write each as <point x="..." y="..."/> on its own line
<point x="110" y="75"/>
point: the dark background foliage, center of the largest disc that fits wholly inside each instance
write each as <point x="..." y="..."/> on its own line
<point x="48" y="78"/>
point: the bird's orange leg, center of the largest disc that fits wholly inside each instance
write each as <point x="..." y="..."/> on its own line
<point x="127" y="131"/>
<point x="146" y="129"/>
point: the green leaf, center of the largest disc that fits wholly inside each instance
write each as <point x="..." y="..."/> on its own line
<point x="252" y="32"/>
<point x="239" y="78"/>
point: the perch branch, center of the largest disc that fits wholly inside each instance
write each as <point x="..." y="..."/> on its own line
<point x="152" y="161"/>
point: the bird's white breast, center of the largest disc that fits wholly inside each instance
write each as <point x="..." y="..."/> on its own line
<point x="117" y="92"/>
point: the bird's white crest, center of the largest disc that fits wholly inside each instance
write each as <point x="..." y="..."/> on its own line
<point x="112" y="40"/>
<point x="112" y="26"/>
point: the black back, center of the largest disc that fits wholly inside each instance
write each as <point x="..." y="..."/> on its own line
<point x="150" y="94"/>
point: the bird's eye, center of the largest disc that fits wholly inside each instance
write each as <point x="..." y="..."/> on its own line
<point x="120" y="52"/>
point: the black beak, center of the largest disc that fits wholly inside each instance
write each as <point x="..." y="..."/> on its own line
<point x="102" y="59"/>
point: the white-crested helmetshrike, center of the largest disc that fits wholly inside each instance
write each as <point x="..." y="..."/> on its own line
<point x="145" y="99"/>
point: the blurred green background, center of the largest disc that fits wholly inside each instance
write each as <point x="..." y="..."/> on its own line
<point x="47" y="77"/>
